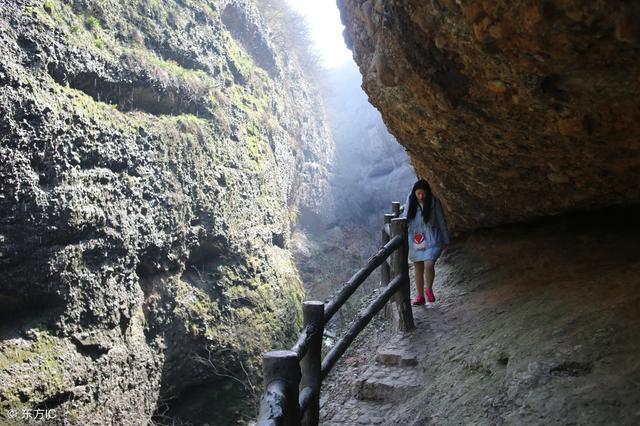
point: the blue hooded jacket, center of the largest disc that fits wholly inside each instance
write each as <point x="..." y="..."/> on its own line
<point x="426" y="239"/>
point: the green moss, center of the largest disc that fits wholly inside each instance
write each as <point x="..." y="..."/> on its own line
<point x="241" y="61"/>
<point x="92" y="23"/>
<point x="173" y="68"/>
<point x="83" y="103"/>
<point x="292" y="215"/>
<point x="255" y="147"/>
<point x="185" y="130"/>
<point x="291" y="296"/>
<point x="33" y="11"/>
<point x="44" y="14"/>
<point x="41" y="373"/>
<point x="262" y="313"/>
<point x="191" y="121"/>
<point x="256" y="129"/>
<point x="48" y="5"/>
<point x="99" y="42"/>
<point x="253" y="102"/>
<point x="201" y="85"/>
<point x="199" y="305"/>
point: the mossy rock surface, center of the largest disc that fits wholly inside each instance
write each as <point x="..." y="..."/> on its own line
<point x="148" y="164"/>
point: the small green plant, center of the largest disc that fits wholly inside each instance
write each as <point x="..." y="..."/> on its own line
<point x="100" y="44"/>
<point x="92" y="23"/>
<point x="75" y="29"/>
<point x="293" y="215"/>
<point x="48" y="6"/>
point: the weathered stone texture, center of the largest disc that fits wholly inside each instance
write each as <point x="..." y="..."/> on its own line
<point x="150" y="154"/>
<point x="511" y="109"/>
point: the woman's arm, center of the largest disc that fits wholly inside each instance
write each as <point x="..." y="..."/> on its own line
<point x="441" y="221"/>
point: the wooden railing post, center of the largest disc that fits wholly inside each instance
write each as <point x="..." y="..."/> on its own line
<point x="384" y="268"/>
<point x="395" y="208"/>
<point x="403" y="317"/>
<point x="310" y="364"/>
<point x="292" y="385"/>
<point x="284" y="367"/>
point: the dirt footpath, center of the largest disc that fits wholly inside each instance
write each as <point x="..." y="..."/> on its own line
<point x="536" y="324"/>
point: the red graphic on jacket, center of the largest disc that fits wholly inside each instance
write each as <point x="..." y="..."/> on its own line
<point x="419" y="242"/>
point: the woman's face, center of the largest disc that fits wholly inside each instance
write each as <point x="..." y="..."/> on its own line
<point x="421" y="195"/>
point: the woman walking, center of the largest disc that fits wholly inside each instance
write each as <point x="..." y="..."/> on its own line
<point x="427" y="234"/>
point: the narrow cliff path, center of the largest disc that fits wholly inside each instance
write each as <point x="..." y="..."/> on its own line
<point x="382" y="370"/>
<point x="534" y="324"/>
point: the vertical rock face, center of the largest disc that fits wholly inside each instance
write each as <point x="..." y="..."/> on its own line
<point x="510" y="109"/>
<point x="150" y="153"/>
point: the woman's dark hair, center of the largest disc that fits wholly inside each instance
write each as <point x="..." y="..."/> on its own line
<point x="413" y="201"/>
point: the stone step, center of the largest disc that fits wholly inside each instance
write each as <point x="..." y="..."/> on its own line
<point x="396" y="357"/>
<point x="383" y="382"/>
<point x="357" y="412"/>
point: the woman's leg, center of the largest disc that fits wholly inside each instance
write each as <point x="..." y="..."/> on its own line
<point x="419" y="271"/>
<point x="429" y="275"/>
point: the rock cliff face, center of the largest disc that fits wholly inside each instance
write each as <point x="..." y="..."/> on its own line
<point x="510" y="109"/>
<point x="150" y="155"/>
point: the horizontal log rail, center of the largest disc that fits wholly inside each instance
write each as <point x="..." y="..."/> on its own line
<point x="293" y="378"/>
<point x="358" y="325"/>
<point x="302" y="345"/>
<point x="359" y="277"/>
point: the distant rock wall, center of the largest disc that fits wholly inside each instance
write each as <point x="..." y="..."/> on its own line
<point x="371" y="169"/>
<point x="510" y="109"/>
<point x="151" y="155"/>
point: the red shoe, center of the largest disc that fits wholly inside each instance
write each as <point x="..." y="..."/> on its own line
<point x="430" y="296"/>
<point x="419" y="300"/>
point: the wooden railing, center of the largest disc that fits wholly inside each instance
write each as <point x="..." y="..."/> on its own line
<point x="293" y="377"/>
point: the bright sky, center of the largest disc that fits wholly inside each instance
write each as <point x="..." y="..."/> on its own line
<point x="324" y="23"/>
